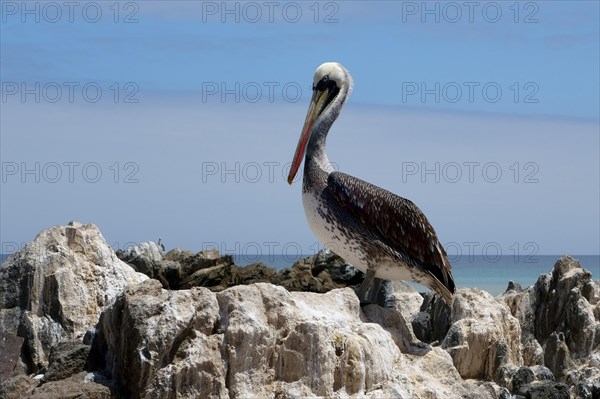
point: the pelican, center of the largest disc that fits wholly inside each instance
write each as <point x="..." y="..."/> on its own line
<point x="385" y="236"/>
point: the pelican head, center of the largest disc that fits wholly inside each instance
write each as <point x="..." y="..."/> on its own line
<point x="331" y="86"/>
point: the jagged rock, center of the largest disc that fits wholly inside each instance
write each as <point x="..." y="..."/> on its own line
<point x="190" y="263"/>
<point x="484" y="336"/>
<point x="556" y="356"/>
<point x="532" y="351"/>
<point x="301" y="278"/>
<point x="169" y="274"/>
<point x="143" y="332"/>
<point x="544" y="390"/>
<point x="10" y="352"/>
<point x="254" y="273"/>
<point x="560" y="306"/>
<point x="523" y="376"/>
<point x="559" y="318"/>
<point x="395" y="323"/>
<point x="213" y="276"/>
<point x="221" y="276"/>
<point x="529" y="376"/>
<point x="261" y="341"/>
<point x="542" y="373"/>
<point x="179" y="269"/>
<point x="513" y="286"/>
<point x="143" y="257"/>
<point x="320" y="273"/>
<point x="80" y="385"/>
<point x="404" y="299"/>
<point x="66" y="360"/>
<point x="17" y="387"/>
<point x="178" y="255"/>
<point x="586" y="381"/>
<point x="55" y="288"/>
<point x="338" y="269"/>
<point x="433" y="321"/>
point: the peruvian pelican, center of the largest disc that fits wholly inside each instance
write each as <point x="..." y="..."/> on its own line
<point x="380" y="233"/>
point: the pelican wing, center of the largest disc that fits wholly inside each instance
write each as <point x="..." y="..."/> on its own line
<point x="391" y="219"/>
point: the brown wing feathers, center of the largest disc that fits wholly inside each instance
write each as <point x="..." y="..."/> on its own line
<point x="393" y="220"/>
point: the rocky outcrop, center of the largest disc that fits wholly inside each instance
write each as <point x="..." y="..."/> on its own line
<point x="144" y="257"/>
<point x="432" y="322"/>
<point x="54" y="289"/>
<point x="81" y="385"/>
<point x="204" y="327"/>
<point x="560" y="323"/>
<point x="179" y="269"/>
<point x="10" y="353"/>
<point x="484" y="337"/>
<point x="262" y="341"/>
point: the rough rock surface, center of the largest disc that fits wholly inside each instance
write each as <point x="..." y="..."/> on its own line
<point x="262" y="341"/>
<point x="221" y="331"/>
<point x="484" y="336"/>
<point x="179" y="269"/>
<point x="10" y="353"/>
<point x="54" y="289"/>
<point x="66" y="360"/>
<point x="143" y="257"/>
<point x="560" y="325"/>
<point x="432" y="322"/>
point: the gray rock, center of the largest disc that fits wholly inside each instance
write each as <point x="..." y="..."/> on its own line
<point x="544" y="390"/>
<point x="433" y="321"/>
<point x="320" y="273"/>
<point x="588" y="389"/>
<point x="213" y="276"/>
<point x="585" y="381"/>
<point x="170" y="274"/>
<point x="556" y="355"/>
<point x="529" y="377"/>
<point x="66" y="360"/>
<point x="179" y="269"/>
<point x="542" y="373"/>
<point x="190" y="263"/>
<point x="337" y="268"/>
<point x="560" y="306"/>
<point x="513" y="286"/>
<point x="81" y="385"/>
<point x="524" y="375"/>
<point x="10" y="352"/>
<point x="560" y="322"/>
<point x="17" y="387"/>
<point x="143" y="257"/>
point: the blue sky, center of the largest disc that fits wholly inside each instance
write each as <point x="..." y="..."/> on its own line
<point x="178" y="119"/>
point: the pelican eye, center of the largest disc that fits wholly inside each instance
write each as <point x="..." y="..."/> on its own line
<point x="325" y="83"/>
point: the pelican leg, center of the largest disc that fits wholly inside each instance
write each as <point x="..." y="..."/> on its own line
<point x="374" y="291"/>
<point x="363" y="291"/>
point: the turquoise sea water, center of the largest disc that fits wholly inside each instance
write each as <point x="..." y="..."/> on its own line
<point x="487" y="273"/>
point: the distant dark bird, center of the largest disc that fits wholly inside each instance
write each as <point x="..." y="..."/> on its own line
<point x="382" y="234"/>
